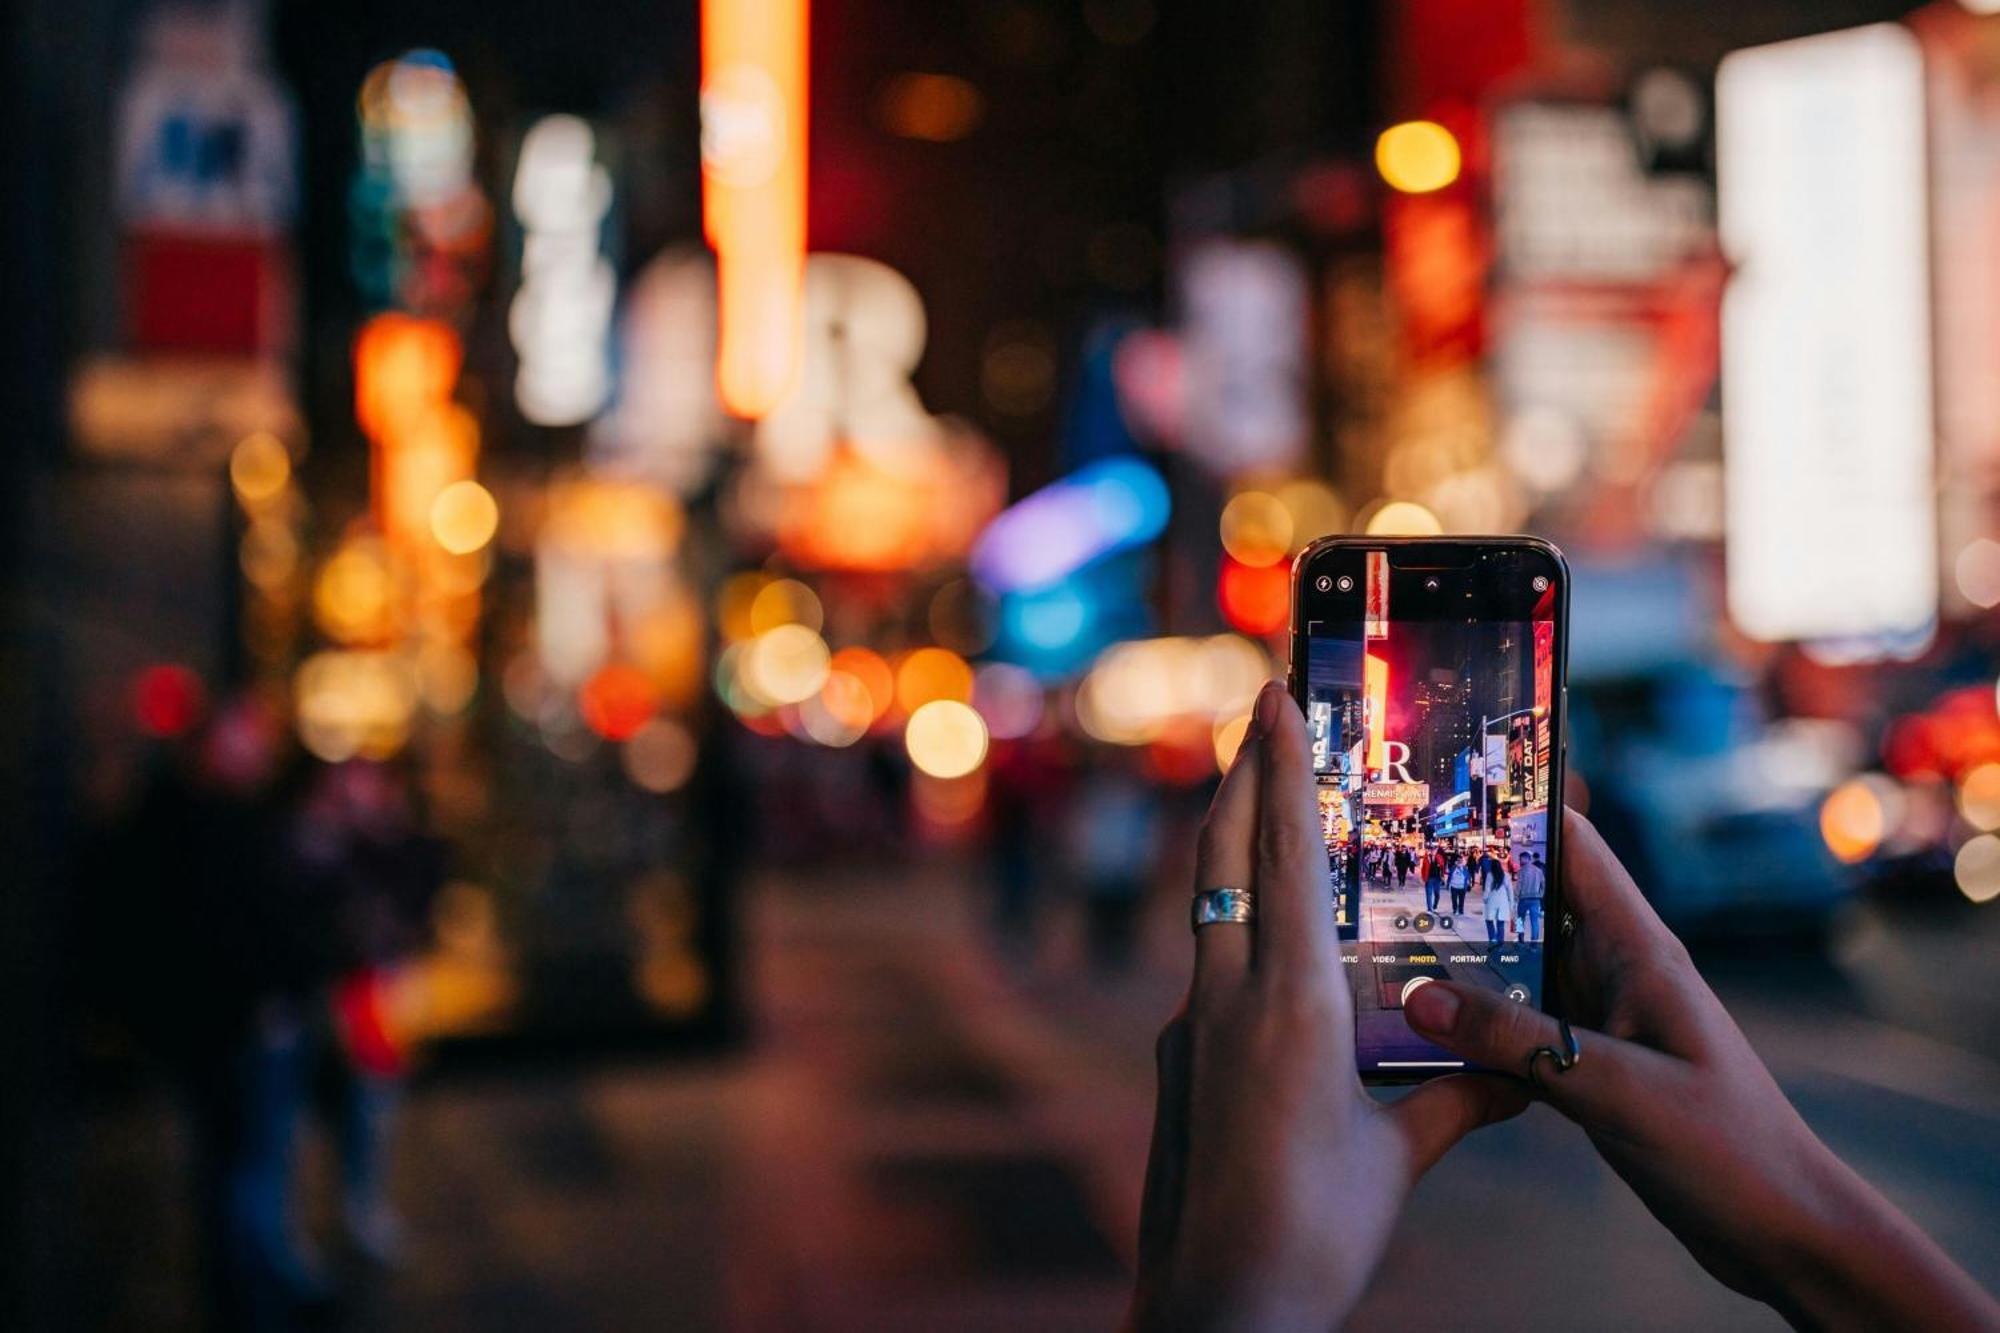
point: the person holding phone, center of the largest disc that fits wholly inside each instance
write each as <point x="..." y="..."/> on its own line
<point x="1274" y="1180"/>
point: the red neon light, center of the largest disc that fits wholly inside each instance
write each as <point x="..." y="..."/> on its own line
<point x="753" y="166"/>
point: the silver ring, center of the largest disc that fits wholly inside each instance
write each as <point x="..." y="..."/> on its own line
<point x="1238" y="907"/>
<point x="1565" y="1059"/>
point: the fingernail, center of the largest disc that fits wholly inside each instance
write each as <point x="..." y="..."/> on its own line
<point x="1432" y="1008"/>
<point x="1267" y="707"/>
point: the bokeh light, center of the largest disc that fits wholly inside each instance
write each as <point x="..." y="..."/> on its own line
<point x="1977" y="868"/>
<point x="1404" y="518"/>
<point x="1977" y="571"/>
<point x="1315" y="508"/>
<point x="354" y="598"/>
<point x="733" y="601"/>
<point x="786" y="664"/>
<point x="1229" y="735"/>
<point x="946" y="738"/>
<point x="1254" y="600"/>
<point x="866" y="667"/>
<point x="1009" y="698"/>
<point x="167" y="700"/>
<point x="785" y="602"/>
<point x="616" y="701"/>
<point x="1256" y="529"/>
<point x="660" y="756"/>
<point x="1979" y="796"/>
<point x="464" y="517"/>
<point x="1853" y="821"/>
<point x="1417" y="156"/>
<point x="937" y="108"/>
<point x="259" y="468"/>
<point x="931" y="674"/>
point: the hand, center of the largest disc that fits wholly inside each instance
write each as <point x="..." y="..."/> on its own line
<point x="1274" y="1179"/>
<point x="1675" y="1100"/>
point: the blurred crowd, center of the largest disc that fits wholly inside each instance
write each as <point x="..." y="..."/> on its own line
<point x="250" y="918"/>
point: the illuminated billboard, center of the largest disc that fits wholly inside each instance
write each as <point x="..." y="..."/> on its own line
<point x="1826" y="338"/>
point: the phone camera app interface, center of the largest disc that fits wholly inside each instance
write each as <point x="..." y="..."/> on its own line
<point x="1431" y="716"/>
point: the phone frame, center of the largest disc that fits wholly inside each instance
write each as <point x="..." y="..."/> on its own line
<point x="1557" y="889"/>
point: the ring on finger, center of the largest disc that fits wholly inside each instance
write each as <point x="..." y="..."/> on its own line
<point x="1237" y="907"/>
<point x="1564" y="1059"/>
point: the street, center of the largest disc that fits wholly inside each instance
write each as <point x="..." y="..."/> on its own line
<point x="917" y="1138"/>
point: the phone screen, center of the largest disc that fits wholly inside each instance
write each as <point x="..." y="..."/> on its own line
<point x="1431" y="678"/>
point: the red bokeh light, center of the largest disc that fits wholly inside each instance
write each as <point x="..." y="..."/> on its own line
<point x="617" y="701"/>
<point x="167" y="700"/>
<point x="1255" y="601"/>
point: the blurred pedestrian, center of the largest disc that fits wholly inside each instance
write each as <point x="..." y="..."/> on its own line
<point x="361" y="837"/>
<point x="1533" y="888"/>
<point x="1028" y="788"/>
<point x="1498" y="901"/>
<point x="1115" y="831"/>
<point x="1458" y="880"/>
<point x="215" y="978"/>
<point x="1433" y="877"/>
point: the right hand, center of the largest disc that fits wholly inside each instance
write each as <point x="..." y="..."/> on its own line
<point x="1674" y="1099"/>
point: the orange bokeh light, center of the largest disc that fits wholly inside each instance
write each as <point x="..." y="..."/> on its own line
<point x="867" y="667"/>
<point x="617" y="701"/>
<point x="753" y="153"/>
<point x="1255" y="600"/>
<point x="1853" y="821"/>
<point x="403" y="368"/>
<point x="930" y="674"/>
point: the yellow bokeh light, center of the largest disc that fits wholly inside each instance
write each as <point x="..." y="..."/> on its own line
<point x="354" y="596"/>
<point x="733" y="602"/>
<point x="1315" y="508"/>
<point x="1257" y="528"/>
<point x="1404" y="518"/>
<point x="1853" y="821"/>
<point x="1977" y="869"/>
<point x="786" y="664"/>
<point x="785" y="602"/>
<point x="930" y="674"/>
<point x="447" y="678"/>
<point x="268" y="554"/>
<point x="259" y="468"/>
<point x="354" y="703"/>
<point x="1229" y="739"/>
<point x="464" y="517"/>
<point x="946" y="738"/>
<point x="1979" y="796"/>
<point x="1417" y="156"/>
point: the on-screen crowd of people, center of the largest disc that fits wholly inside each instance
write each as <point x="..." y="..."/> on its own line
<point x="1511" y="887"/>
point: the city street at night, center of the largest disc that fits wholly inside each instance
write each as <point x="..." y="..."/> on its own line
<point x="921" y="665"/>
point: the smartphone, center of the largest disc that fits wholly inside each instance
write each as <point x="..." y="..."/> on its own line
<point x="1431" y="674"/>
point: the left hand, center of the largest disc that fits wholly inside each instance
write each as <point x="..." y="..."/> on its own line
<point x="1274" y="1179"/>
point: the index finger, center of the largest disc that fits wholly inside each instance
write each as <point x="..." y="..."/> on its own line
<point x="1595" y="883"/>
<point x="1294" y="897"/>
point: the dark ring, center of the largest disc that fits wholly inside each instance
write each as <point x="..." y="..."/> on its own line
<point x="1565" y="1059"/>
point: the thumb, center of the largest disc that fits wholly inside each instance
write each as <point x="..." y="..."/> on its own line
<point x="1607" y="1086"/>
<point x="1438" y="1114"/>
